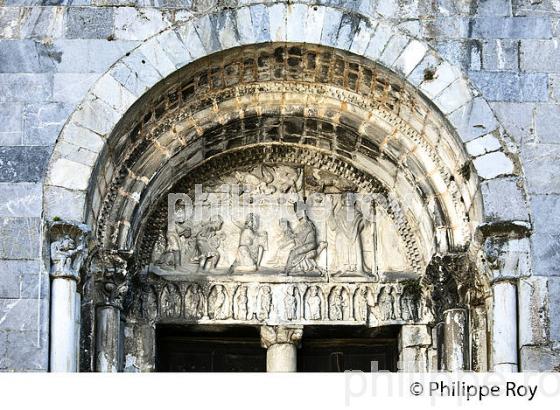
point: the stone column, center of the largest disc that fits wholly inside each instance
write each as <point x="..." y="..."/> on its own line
<point x="67" y="252"/>
<point x="111" y="286"/>
<point x="281" y="343"/>
<point x="504" y="326"/>
<point x="455" y="354"/>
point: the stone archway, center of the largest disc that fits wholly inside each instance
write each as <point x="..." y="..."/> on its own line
<point x="392" y="109"/>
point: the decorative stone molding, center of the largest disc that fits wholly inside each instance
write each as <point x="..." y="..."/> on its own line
<point x="272" y="335"/>
<point x="111" y="279"/>
<point x="68" y="249"/>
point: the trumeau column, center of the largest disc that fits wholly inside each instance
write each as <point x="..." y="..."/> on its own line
<point x="67" y="252"/>
<point x="281" y="343"/>
<point x="111" y="286"/>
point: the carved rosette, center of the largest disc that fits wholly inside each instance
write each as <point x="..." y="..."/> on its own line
<point x="111" y="280"/>
<point x="271" y="335"/>
<point x="68" y="249"/>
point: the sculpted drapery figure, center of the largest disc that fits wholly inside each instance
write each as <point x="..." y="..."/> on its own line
<point x="348" y="224"/>
<point x="252" y="245"/>
<point x="291" y="303"/>
<point x="218" y="303"/>
<point x="264" y="302"/>
<point x="303" y="255"/>
<point x="194" y="302"/>
<point x="241" y="304"/>
<point x="313" y="304"/>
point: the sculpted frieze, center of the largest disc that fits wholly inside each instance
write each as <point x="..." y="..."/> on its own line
<point x="371" y="304"/>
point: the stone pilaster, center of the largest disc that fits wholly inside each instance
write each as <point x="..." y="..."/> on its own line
<point x="281" y="343"/>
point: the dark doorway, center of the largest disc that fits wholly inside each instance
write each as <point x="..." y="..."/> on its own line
<point x="238" y="349"/>
<point x="209" y="349"/>
<point x="342" y="348"/>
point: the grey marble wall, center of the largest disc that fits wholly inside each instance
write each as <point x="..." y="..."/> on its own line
<point x="52" y="51"/>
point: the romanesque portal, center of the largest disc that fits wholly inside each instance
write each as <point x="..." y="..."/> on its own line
<point x="280" y="187"/>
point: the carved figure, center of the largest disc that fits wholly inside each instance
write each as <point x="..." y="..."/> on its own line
<point x="339" y="304"/>
<point x="303" y="255"/>
<point x="291" y="303"/>
<point x="363" y="303"/>
<point x="241" y="304"/>
<point x="386" y="302"/>
<point x="264" y="302"/>
<point x="175" y="231"/>
<point x="64" y="256"/>
<point x="313" y="304"/>
<point x="348" y="224"/>
<point x="252" y="245"/>
<point x="409" y="304"/>
<point x="284" y="243"/>
<point x="218" y="303"/>
<point x="171" y="302"/>
<point x="149" y="303"/>
<point x="208" y="241"/>
<point x="194" y="302"/>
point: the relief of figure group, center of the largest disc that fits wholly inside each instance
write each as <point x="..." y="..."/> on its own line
<point x="291" y="303"/>
<point x="281" y="246"/>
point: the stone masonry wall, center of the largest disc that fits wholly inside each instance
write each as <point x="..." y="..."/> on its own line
<point x="52" y="51"/>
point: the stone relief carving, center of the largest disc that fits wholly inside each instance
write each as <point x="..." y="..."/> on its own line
<point x="339" y="304"/>
<point x="277" y="303"/>
<point x="218" y="305"/>
<point x="252" y="245"/>
<point x="194" y="302"/>
<point x="111" y="281"/>
<point x="314" y="302"/>
<point x="271" y="239"/>
<point x="171" y="301"/>
<point x="68" y="249"/>
<point x="271" y="335"/>
<point x="264" y="303"/>
<point x="306" y="248"/>
<point x="241" y="304"/>
<point x="292" y="303"/>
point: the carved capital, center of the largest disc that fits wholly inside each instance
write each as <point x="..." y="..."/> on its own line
<point x="271" y="335"/>
<point x="68" y="249"/>
<point x="449" y="279"/>
<point x="111" y="280"/>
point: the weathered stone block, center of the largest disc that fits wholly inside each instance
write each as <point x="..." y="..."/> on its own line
<point x="493" y="8"/>
<point x="20" y="238"/>
<point x="442" y="76"/>
<point x="492" y="165"/>
<point x="89" y="22"/>
<point x="23" y="164"/>
<point x="539" y="359"/>
<point x="23" y="279"/>
<point x="511" y="27"/>
<point x="547" y="118"/>
<point x="546" y="218"/>
<point x="500" y="55"/>
<point x="546" y="253"/>
<point x="22" y="199"/>
<point x="533" y="315"/>
<point x="540" y="55"/>
<point x="133" y="23"/>
<point x="493" y="193"/>
<point x="445" y="28"/>
<point x="42" y="122"/>
<point x="517" y="118"/>
<point x="513" y="87"/>
<point x="43" y="23"/>
<point x="415" y="335"/>
<point x="24" y="353"/>
<point x="410" y="57"/>
<point x="64" y="203"/>
<point x="474" y="119"/>
<point x="554" y="309"/>
<point x="542" y="168"/>
<point x="454" y="96"/>
<point x="25" y="87"/>
<point x="261" y="23"/>
<point x="72" y="88"/>
<point x="69" y="174"/>
<point x="11" y="120"/>
<point x="25" y="56"/>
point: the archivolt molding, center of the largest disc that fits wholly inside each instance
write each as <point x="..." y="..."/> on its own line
<point x="95" y="124"/>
